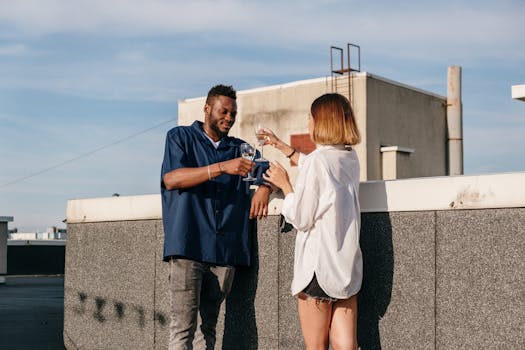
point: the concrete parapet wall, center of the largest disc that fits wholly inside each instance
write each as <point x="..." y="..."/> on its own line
<point x="110" y="285"/>
<point x="433" y="279"/>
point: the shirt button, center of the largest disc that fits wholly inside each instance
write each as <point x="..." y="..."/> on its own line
<point x="217" y="211"/>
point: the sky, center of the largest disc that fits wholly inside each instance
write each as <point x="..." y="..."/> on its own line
<point x="88" y="89"/>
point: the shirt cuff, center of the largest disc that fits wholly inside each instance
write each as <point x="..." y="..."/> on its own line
<point x="302" y="157"/>
<point x="286" y="206"/>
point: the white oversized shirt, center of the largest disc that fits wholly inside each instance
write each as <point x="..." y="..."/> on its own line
<point x="324" y="208"/>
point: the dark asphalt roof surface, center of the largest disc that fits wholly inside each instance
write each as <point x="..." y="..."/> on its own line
<point x="32" y="313"/>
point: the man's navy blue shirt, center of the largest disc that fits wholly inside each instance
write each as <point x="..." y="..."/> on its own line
<point x="208" y="222"/>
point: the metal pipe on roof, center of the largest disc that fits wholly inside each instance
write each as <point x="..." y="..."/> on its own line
<point x="454" y="121"/>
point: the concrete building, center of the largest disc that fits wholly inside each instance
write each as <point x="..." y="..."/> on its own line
<point x="31" y="253"/>
<point x="18" y="236"/>
<point x="3" y="246"/>
<point x="51" y="233"/>
<point x="404" y="129"/>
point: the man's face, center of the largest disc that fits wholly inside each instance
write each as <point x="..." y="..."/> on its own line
<point x="220" y="114"/>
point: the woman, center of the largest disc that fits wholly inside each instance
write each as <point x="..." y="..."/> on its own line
<point x="324" y="208"/>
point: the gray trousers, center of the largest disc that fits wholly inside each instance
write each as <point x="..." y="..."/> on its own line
<point x="197" y="291"/>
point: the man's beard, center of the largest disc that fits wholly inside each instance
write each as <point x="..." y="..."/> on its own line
<point x="218" y="131"/>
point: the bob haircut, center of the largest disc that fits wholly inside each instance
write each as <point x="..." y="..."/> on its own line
<point x="334" y="121"/>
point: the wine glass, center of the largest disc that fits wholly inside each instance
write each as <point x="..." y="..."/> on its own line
<point x="261" y="138"/>
<point x="248" y="152"/>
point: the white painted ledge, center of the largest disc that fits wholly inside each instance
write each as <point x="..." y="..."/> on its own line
<point x="396" y="149"/>
<point x="506" y="190"/>
<point x="122" y="208"/>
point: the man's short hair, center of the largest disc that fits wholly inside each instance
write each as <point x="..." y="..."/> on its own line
<point x="221" y="90"/>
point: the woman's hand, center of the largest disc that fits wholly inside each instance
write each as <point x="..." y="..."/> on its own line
<point x="271" y="138"/>
<point x="286" y="149"/>
<point x="278" y="176"/>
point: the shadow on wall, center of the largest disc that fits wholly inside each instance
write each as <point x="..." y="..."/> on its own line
<point x="378" y="272"/>
<point x="240" y="305"/>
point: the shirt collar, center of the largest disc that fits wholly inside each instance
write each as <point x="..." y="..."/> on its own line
<point x="337" y="147"/>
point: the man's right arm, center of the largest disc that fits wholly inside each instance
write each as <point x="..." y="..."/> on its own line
<point x="189" y="177"/>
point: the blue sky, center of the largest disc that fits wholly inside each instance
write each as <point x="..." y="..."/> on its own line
<point x="79" y="75"/>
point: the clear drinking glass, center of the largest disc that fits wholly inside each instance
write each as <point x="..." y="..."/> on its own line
<point x="248" y="152"/>
<point x="261" y="138"/>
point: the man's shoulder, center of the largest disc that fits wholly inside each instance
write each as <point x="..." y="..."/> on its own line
<point x="181" y="130"/>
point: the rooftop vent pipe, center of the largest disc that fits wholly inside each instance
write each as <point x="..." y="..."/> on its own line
<point x="454" y="121"/>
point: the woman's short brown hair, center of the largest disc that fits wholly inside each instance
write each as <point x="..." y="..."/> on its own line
<point x="334" y="121"/>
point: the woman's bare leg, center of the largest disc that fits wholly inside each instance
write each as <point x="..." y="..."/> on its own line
<point x="315" y="319"/>
<point x="343" y="329"/>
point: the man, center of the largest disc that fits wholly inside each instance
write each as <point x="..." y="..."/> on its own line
<point x="206" y="211"/>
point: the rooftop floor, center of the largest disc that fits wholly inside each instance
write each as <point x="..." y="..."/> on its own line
<point x="32" y="312"/>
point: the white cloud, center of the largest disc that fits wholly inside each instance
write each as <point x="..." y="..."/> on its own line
<point x="120" y="17"/>
<point x="14" y="50"/>
<point x="132" y="57"/>
<point x="413" y="31"/>
<point x="452" y="32"/>
<point x="136" y="74"/>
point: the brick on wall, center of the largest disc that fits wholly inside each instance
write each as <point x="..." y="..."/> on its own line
<point x="302" y="143"/>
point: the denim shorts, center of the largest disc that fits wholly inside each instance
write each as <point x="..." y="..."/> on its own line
<point x="314" y="290"/>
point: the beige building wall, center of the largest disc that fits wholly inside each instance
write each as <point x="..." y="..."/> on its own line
<point x="387" y="113"/>
<point x="399" y="115"/>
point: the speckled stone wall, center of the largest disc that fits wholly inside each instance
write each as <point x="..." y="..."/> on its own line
<point x="443" y="280"/>
<point x="480" y="284"/>
<point x="396" y="302"/>
<point x="432" y="280"/>
<point x="109" y="286"/>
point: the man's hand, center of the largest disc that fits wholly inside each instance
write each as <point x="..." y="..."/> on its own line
<point x="236" y="166"/>
<point x="189" y="177"/>
<point x="260" y="200"/>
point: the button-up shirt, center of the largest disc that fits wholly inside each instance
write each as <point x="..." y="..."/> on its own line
<point x="208" y="222"/>
<point x="324" y="208"/>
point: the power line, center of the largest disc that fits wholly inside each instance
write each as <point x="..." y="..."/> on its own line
<point x="85" y="154"/>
